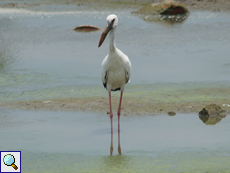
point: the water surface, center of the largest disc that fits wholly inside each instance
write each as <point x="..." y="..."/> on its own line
<point x="40" y="53"/>
<point x="80" y="142"/>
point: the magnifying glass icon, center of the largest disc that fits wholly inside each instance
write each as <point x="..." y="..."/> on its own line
<point x="9" y="160"/>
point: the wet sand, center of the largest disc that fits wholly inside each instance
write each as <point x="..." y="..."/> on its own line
<point x="137" y="102"/>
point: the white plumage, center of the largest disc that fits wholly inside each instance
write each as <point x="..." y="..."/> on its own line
<point x="116" y="70"/>
<point x="116" y="67"/>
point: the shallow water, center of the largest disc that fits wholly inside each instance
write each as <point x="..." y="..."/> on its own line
<point x="80" y="142"/>
<point x="41" y="57"/>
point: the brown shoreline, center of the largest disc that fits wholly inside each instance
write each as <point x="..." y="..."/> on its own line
<point x="212" y="5"/>
<point x="138" y="100"/>
<point x="130" y="106"/>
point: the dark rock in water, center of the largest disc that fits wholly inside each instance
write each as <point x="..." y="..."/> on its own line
<point x="86" y="28"/>
<point x="204" y="112"/>
<point x="174" y="10"/>
<point x="212" y="114"/>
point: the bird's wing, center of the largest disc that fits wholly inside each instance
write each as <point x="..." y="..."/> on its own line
<point x="104" y="79"/>
<point x="128" y="69"/>
<point x="104" y="72"/>
<point x="126" y="64"/>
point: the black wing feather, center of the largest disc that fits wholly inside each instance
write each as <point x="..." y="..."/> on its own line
<point x="105" y="84"/>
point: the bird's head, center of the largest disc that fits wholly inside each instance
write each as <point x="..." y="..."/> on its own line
<point x="112" y="22"/>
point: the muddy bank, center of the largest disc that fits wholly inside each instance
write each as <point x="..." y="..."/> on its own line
<point x="213" y="5"/>
<point x="134" y="103"/>
<point x="130" y="106"/>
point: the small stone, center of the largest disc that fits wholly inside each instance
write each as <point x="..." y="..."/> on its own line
<point x="171" y="113"/>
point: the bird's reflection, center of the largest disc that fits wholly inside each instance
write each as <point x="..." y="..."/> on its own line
<point x="119" y="144"/>
<point x="111" y="146"/>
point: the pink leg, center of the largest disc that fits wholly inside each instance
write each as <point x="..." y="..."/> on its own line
<point x="111" y="113"/>
<point x="119" y="111"/>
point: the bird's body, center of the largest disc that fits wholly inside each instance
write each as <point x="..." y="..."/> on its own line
<point x="115" y="71"/>
<point x="116" y="67"/>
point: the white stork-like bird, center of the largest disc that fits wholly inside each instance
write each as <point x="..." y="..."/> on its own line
<point x="116" y="67"/>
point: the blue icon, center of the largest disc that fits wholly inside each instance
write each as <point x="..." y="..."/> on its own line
<point x="9" y="160"/>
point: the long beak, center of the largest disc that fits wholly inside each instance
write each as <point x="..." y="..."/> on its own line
<point x="108" y="27"/>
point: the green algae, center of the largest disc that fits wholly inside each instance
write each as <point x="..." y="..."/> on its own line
<point x="199" y="162"/>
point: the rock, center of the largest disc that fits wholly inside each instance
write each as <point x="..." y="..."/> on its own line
<point x="167" y="11"/>
<point x="171" y="113"/>
<point x="167" y="7"/>
<point x="86" y="28"/>
<point x="174" y="9"/>
<point x="212" y="110"/>
<point x="212" y="114"/>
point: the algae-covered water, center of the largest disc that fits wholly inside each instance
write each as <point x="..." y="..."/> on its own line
<point x="44" y="63"/>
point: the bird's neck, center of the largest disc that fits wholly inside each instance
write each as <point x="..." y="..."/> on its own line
<point x="112" y="45"/>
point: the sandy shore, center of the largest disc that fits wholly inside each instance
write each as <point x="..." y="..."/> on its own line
<point x="134" y="103"/>
<point x="213" y="5"/>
